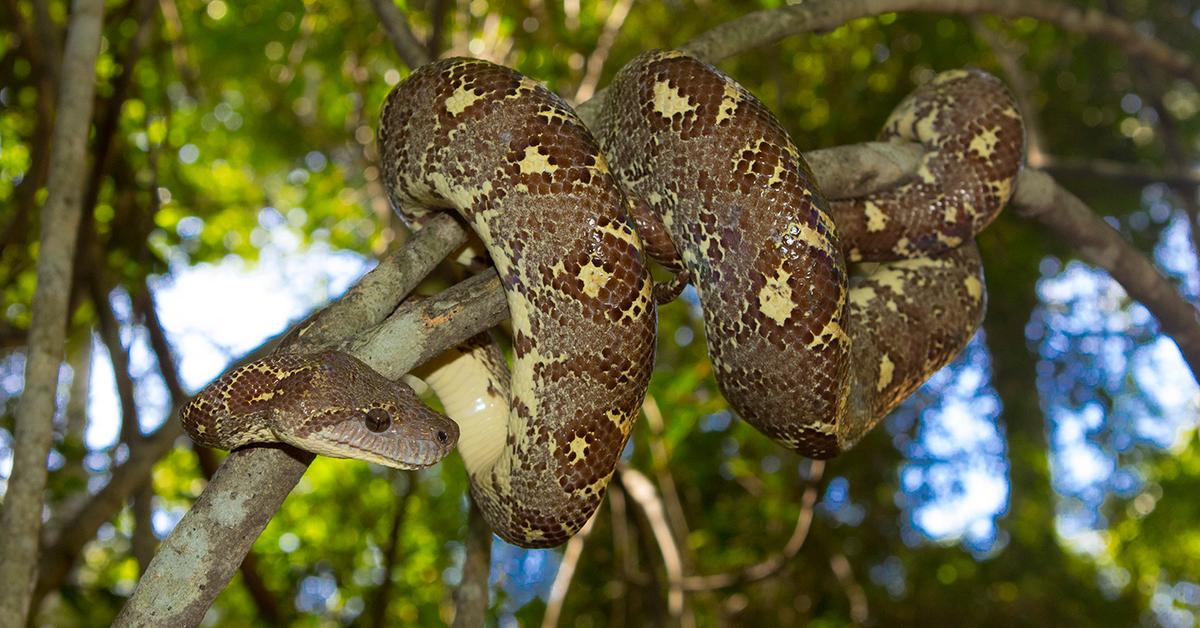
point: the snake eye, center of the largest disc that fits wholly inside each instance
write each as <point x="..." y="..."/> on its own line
<point x="378" y="419"/>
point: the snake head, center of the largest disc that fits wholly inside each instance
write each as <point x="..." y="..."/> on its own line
<point x="327" y="402"/>
<point x="343" y="409"/>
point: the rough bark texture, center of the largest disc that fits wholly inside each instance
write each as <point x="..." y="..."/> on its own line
<point x="20" y="527"/>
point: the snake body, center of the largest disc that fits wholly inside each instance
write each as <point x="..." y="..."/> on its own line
<point x="519" y="166"/>
<point x="810" y="350"/>
<point x="809" y="356"/>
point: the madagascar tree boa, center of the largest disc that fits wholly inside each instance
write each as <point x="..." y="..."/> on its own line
<point x="685" y="167"/>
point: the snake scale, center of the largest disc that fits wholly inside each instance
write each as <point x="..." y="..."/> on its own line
<point x="820" y="316"/>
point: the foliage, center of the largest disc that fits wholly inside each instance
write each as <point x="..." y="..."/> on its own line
<point x="246" y="124"/>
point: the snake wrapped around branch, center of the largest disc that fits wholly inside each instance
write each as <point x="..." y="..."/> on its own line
<point x="820" y="316"/>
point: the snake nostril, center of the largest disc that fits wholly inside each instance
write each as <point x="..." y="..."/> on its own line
<point x="442" y="436"/>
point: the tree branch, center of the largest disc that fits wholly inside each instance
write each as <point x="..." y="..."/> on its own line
<point x="769" y="26"/>
<point x="471" y="597"/>
<point x="410" y="50"/>
<point x="840" y="566"/>
<point x="189" y="570"/>
<point x="641" y="490"/>
<point x="1136" y="174"/>
<point x="595" y="61"/>
<point x="21" y="521"/>
<point x="1039" y="198"/>
<point x="762" y="28"/>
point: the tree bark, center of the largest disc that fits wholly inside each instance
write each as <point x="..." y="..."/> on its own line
<point x="193" y="564"/>
<point x="20" y="526"/>
<point x="471" y="597"/>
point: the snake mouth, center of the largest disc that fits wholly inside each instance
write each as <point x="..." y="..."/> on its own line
<point x="407" y="444"/>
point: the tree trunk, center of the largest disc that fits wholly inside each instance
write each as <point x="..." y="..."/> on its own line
<point x="21" y="524"/>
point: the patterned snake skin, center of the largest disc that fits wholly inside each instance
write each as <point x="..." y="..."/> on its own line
<point x="328" y="403"/>
<point x="809" y="353"/>
<point x="811" y="357"/>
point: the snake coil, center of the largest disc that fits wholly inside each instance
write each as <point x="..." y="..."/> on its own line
<point x="820" y="316"/>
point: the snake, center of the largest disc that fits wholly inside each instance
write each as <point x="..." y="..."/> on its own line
<point x="820" y="316"/>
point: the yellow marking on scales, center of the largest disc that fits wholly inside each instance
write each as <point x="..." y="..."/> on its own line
<point x="950" y="210"/>
<point x="579" y="447"/>
<point x="777" y="173"/>
<point x="264" y="396"/>
<point x="1003" y="188"/>
<point x="926" y="175"/>
<point x="876" y="219"/>
<point x="621" y="231"/>
<point x="832" y="331"/>
<point x="601" y="163"/>
<point x="974" y="287"/>
<point x="886" y="370"/>
<point x="861" y="297"/>
<point x="950" y="241"/>
<point x="461" y="99"/>
<point x="458" y="195"/>
<point x="775" y="297"/>
<point x="535" y="161"/>
<point x="984" y="144"/>
<point x="949" y="75"/>
<point x="554" y="113"/>
<point x="808" y="235"/>
<point x="893" y="276"/>
<point x="593" y="278"/>
<point x="620" y="419"/>
<point x="730" y="100"/>
<point x="668" y="101"/>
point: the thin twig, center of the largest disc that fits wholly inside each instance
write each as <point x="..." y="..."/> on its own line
<point x="859" y="612"/>
<point x="595" y="61"/>
<point x="641" y="490"/>
<point x="410" y="50"/>
<point x="775" y="564"/>
<point x="765" y="27"/>
<point x="1107" y="169"/>
<point x="661" y="460"/>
